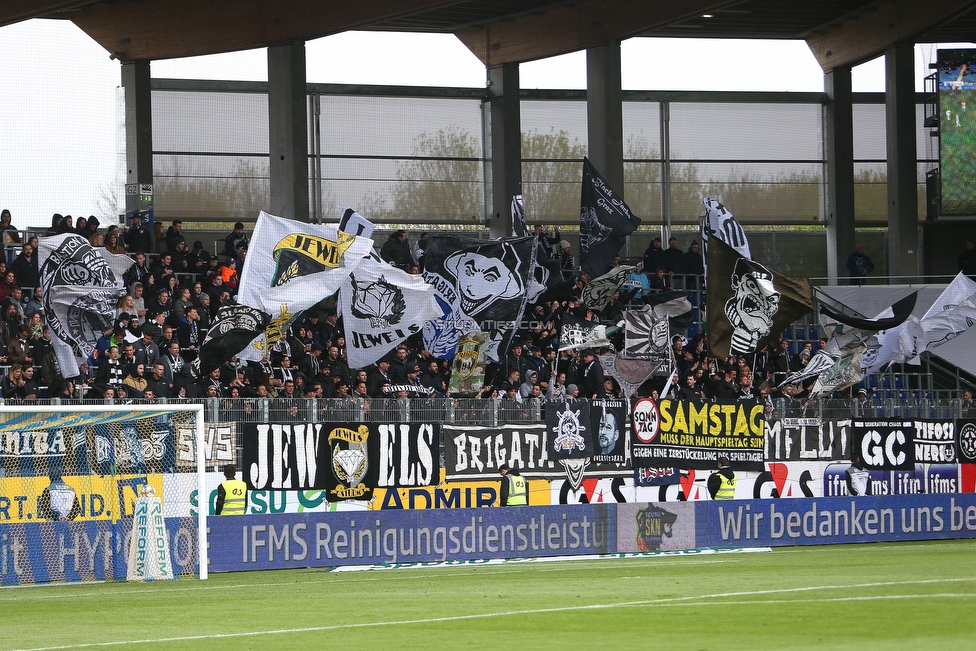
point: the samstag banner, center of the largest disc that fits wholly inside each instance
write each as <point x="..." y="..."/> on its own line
<point x="284" y="251"/>
<point x="480" y="287"/>
<point x="347" y="459"/>
<point x="686" y="434"/>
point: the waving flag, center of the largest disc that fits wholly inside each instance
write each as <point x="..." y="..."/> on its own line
<point x="290" y="267"/>
<point x="233" y="328"/>
<point x="81" y="286"/>
<point x="605" y="222"/>
<point x="480" y="287"/>
<point x="719" y="223"/>
<point x="598" y="293"/>
<point x="382" y="306"/>
<point x="749" y="305"/>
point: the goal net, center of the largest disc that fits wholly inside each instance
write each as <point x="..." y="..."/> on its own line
<point x="101" y="492"/>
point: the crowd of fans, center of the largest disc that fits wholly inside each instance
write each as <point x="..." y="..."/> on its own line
<point x="174" y="294"/>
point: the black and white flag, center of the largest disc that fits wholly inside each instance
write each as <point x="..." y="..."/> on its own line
<point x="749" y="305"/>
<point x="381" y="306"/>
<point x="519" y="227"/>
<point x="480" y="287"/>
<point x="81" y="286"/>
<point x="605" y="222"/>
<point x="648" y="336"/>
<point x="290" y="267"/>
<point x="598" y="293"/>
<point x="719" y="223"/>
<point x="579" y="333"/>
<point x="630" y="374"/>
<point x="233" y="328"/>
<point x="569" y="429"/>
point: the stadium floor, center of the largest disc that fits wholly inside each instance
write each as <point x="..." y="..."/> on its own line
<point x="877" y="596"/>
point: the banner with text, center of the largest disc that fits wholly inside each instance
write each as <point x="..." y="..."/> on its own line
<point x="687" y="434"/>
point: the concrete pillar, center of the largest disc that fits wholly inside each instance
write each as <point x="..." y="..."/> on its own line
<point x="903" y="254"/>
<point x="505" y="131"/>
<point x="136" y="84"/>
<point x="288" y="131"/>
<point x="604" y="113"/>
<point x="839" y="148"/>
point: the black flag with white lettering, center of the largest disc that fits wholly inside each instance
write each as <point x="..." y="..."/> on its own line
<point x="233" y="328"/>
<point x="605" y="222"/>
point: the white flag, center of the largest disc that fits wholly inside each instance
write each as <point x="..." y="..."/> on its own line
<point x="382" y="306"/>
<point x="284" y="251"/>
<point x="952" y="314"/>
<point x="721" y="224"/>
<point x="81" y="285"/>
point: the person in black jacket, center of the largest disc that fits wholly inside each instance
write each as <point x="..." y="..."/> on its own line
<point x="721" y="484"/>
<point x="591" y="375"/>
<point x="25" y="267"/>
<point x="138" y="236"/>
<point x="396" y="251"/>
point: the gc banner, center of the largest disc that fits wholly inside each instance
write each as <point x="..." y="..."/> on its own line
<point x="686" y="434"/>
<point x="885" y="444"/>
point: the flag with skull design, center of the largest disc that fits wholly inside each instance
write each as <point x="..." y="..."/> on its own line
<point x="605" y="222"/>
<point x="480" y="287"/>
<point x="748" y="304"/>
<point x="81" y="285"/>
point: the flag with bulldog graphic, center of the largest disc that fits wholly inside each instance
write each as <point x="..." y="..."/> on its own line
<point x="479" y="287"/>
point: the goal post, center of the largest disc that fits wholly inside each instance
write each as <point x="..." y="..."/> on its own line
<point x="71" y="477"/>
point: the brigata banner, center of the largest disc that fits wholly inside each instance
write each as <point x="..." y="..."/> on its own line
<point x="477" y="452"/>
<point x="687" y="434"/>
<point x="347" y="459"/>
<point x="420" y="536"/>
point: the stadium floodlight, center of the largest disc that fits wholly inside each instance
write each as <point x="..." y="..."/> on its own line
<point x="71" y="476"/>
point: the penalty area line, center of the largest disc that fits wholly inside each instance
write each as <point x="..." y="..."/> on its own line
<point x="692" y="600"/>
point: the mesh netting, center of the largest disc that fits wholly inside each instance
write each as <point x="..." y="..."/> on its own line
<point x="69" y="485"/>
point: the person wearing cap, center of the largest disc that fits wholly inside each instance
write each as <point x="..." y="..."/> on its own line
<point x="565" y="258"/>
<point x="235" y="241"/>
<point x="721" y="484"/>
<point x="138" y="237"/>
<point x="860" y="404"/>
<point x="591" y="375"/>
<point x="654" y="256"/>
<point x="515" y="489"/>
<point x="572" y="391"/>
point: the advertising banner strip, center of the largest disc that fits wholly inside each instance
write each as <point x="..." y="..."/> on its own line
<point x="409" y="536"/>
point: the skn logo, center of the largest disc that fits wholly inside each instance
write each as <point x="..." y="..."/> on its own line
<point x="884" y="451"/>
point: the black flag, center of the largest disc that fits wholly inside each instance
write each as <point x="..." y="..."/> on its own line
<point x="233" y="328"/>
<point x="605" y="222"/>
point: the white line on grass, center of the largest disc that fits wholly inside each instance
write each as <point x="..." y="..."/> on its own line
<point x="694" y="600"/>
<point x="135" y="590"/>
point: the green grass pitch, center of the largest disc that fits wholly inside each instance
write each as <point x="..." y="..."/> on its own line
<point x="882" y="596"/>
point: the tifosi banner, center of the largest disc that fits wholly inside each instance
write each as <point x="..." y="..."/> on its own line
<point x="686" y="434"/>
<point x="347" y="459"/>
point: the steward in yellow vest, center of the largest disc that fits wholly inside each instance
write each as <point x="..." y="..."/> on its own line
<point x="231" y="494"/>
<point x="515" y="489"/>
<point x="721" y="484"/>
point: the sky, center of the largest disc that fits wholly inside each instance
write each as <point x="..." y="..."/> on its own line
<point x="62" y="148"/>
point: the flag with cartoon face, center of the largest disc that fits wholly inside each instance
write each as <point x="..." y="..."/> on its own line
<point x="605" y="222"/>
<point x="480" y="287"/>
<point x="749" y="305"/>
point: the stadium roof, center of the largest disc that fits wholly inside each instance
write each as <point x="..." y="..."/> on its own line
<point x="840" y="32"/>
